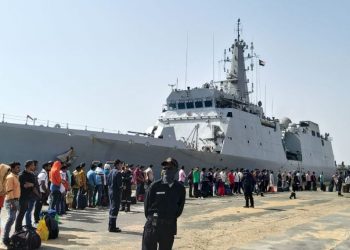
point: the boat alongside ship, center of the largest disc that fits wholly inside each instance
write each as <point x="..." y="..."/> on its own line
<point x="212" y="125"/>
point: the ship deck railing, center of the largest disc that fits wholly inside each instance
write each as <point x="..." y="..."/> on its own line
<point x="31" y="121"/>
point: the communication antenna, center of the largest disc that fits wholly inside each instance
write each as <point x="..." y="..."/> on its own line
<point x="213" y="58"/>
<point x="186" y="61"/>
<point x="251" y="57"/>
<point x="238" y="29"/>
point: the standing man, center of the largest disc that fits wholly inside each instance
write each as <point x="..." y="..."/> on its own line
<point x="190" y="183"/>
<point x="27" y="181"/>
<point x="55" y="188"/>
<point x="164" y="203"/>
<point x="99" y="184"/>
<point x="248" y="188"/>
<point x="196" y="177"/>
<point x="91" y="176"/>
<point x="13" y="193"/>
<point x="75" y="186"/>
<point x="114" y="191"/>
<point x="149" y="176"/>
<point x="126" y="192"/>
<point x="182" y="175"/>
<point x="43" y="181"/>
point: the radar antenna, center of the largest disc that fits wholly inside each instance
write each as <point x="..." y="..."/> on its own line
<point x="172" y="86"/>
<point x="238" y="28"/>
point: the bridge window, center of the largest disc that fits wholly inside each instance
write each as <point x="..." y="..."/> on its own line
<point x="229" y="114"/>
<point x="198" y="104"/>
<point x="189" y="105"/>
<point x="313" y="133"/>
<point x="208" y="103"/>
<point x="181" y="105"/>
<point x="318" y="134"/>
<point x="172" y="106"/>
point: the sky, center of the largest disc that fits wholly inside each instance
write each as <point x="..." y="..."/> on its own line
<point x="108" y="64"/>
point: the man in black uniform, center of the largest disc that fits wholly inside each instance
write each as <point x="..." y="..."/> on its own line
<point x="248" y="184"/>
<point x="126" y="193"/>
<point x="114" y="182"/>
<point x="164" y="203"/>
<point x="340" y="184"/>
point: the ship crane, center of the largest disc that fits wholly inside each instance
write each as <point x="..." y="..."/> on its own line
<point x="192" y="139"/>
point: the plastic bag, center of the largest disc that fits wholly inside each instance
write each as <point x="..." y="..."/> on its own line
<point x="42" y="230"/>
<point x="57" y="218"/>
<point x="69" y="197"/>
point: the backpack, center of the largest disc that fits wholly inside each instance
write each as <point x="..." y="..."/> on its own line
<point x="52" y="226"/>
<point x="26" y="239"/>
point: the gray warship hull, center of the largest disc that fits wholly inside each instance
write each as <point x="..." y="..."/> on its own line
<point x="23" y="142"/>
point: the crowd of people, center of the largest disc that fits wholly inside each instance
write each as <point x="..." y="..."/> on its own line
<point x="219" y="182"/>
<point x="23" y="193"/>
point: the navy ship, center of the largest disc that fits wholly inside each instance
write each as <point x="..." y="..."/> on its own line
<point x="215" y="124"/>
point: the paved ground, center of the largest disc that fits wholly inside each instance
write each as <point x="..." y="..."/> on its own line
<point x="315" y="220"/>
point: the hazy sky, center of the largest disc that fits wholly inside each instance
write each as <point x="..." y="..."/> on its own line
<point x="108" y="63"/>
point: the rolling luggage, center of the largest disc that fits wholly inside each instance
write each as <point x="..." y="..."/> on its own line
<point x="82" y="201"/>
<point x="228" y="190"/>
<point x="140" y="198"/>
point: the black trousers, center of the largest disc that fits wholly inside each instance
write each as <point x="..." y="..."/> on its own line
<point x="23" y="206"/>
<point x="190" y="184"/>
<point x="249" y="197"/>
<point x="114" y="204"/>
<point x="196" y="191"/>
<point x="126" y="196"/>
<point x="161" y="236"/>
<point x="38" y="207"/>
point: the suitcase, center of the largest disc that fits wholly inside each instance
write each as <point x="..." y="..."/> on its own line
<point x="82" y="201"/>
<point x="140" y="198"/>
<point x="323" y="187"/>
<point x="228" y="190"/>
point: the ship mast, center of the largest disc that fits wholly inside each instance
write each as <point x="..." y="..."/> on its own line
<point x="236" y="80"/>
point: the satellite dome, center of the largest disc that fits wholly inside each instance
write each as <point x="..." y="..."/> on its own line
<point x="284" y="123"/>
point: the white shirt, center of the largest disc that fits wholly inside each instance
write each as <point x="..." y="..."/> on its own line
<point x="182" y="175"/>
<point x="223" y="176"/>
<point x="236" y="177"/>
<point x="347" y="180"/>
<point x="43" y="177"/>
<point x="149" y="174"/>
<point x="63" y="176"/>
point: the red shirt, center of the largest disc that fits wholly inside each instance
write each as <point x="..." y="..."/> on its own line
<point x="231" y="178"/>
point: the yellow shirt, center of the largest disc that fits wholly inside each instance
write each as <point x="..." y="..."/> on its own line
<point x="13" y="188"/>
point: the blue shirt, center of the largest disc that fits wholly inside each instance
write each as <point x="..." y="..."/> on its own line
<point x="91" y="176"/>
